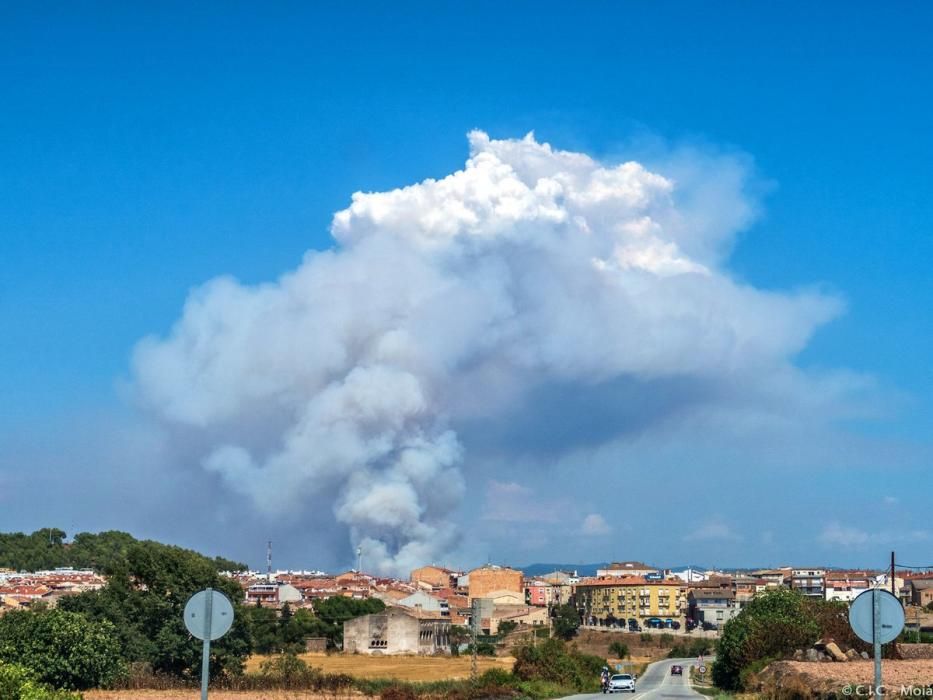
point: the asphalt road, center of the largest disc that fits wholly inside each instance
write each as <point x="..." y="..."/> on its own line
<point x="657" y="683"/>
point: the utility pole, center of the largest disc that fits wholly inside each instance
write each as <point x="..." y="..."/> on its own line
<point x="893" y="584"/>
<point x="359" y="560"/>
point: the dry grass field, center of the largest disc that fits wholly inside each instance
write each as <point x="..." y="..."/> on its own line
<point x="216" y="695"/>
<point x="403" y="668"/>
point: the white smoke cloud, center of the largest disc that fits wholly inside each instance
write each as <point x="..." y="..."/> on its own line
<point x="341" y="385"/>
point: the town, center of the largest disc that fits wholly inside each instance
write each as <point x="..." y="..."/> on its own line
<point x="420" y="611"/>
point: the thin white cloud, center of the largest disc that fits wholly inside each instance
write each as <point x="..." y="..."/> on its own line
<point x="594" y="525"/>
<point x="510" y="502"/>
<point x="836" y="534"/>
<point x="712" y="530"/>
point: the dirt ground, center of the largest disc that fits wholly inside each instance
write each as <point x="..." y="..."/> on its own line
<point x="214" y="695"/>
<point x="405" y="668"/>
<point x="894" y="673"/>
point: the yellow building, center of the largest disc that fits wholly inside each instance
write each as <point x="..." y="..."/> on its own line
<point x="603" y="601"/>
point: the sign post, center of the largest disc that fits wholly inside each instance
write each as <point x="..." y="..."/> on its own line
<point x="877" y="617"/>
<point x="208" y="616"/>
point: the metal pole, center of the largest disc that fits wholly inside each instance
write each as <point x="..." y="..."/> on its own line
<point x="893" y="585"/>
<point x="206" y="648"/>
<point x="875" y="635"/>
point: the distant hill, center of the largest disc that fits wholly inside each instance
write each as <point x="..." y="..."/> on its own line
<point x="581" y="569"/>
<point x="102" y="552"/>
<point x="588" y="569"/>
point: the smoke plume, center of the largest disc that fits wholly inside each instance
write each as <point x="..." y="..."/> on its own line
<point x="343" y="383"/>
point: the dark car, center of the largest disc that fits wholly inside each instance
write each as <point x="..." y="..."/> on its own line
<point x="708" y="626"/>
<point x="691" y="625"/>
<point x="677" y="670"/>
<point x="676" y="625"/>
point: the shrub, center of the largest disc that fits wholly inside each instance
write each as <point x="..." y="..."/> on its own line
<point x="63" y="649"/>
<point x="771" y="625"/>
<point x="619" y="649"/>
<point x="554" y="662"/>
<point x="19" y="683"/>
<point x="645" y="636"/>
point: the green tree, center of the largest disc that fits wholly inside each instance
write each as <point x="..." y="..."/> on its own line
<point x="145" y="597"/>
<point x="553" y="661"/>
<point x="506" y="628"/>
<point x="103" y="552"/>
<point x="619" y="649"/>
<point x="63" y="649"/>
<point x="772" y="625"/>
<point x="19" y="683"/>
<point x="566" y="621"/>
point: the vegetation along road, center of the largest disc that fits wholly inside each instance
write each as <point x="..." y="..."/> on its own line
<point x="657" y="677"/>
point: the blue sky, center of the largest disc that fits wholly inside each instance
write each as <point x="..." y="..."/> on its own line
<point x="145" y="151"/>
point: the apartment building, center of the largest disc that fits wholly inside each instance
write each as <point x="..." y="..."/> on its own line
<point x="435" y="577"/>
<point x="715" y="606"/>
<point x="809" y="582"/>
<point x="627" y="568"/>
<point x="489" y="579"/>
<point x="846" y="586"/>
<point x="604" y="600"/>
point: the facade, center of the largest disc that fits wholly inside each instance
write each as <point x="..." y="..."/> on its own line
<point x="434" y="577"/>
<point x="396" y="632"/>
<point x="627" y="568"/>
<point x="424" y="603"/>
<point x="845" y="587"/>
<point x="921" y="591"/>
<point x="601" y="601"/>
<point x="489" y="579"/>
<point x="810" y="582"/>
<point x="712" y="606"/>
<point x="275" y="593"/>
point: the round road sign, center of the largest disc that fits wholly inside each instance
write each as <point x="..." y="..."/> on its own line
<point x="208" y="614"/>
<point x="701" y="670"/>
<point x="862" y="616"/>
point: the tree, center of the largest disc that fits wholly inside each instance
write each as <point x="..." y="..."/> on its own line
<point x="506" y="628"/>
<point x="458" y="635"/>
<point x="19" y="683"/>
<point x="619" y="649"/>
<point x="566" y="621"/>
<point x="553" y="661"/>
<point x="145" y="597"/>
<point x="103" y="552"/>
<point x="772" y="625"/>
<point x="63" y="649"/>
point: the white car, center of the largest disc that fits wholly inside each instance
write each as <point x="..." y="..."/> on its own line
<point x="621" y="682"/>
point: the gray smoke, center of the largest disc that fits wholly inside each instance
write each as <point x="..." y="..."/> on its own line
<point x="342" y="384"/>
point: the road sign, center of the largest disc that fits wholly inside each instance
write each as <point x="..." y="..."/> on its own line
<point x="701" y="670"/>
<point x="208" y="614"/>
<point x="862" y="617"/>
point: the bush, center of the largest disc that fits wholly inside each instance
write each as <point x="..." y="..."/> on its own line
<point x="645" y="636"/>
<point x="693" y="648"/>
<point x="665" y="639"/>
<point x="619" y="649"/>
<point x="19" y="683"/>
<point x="288" y="671"/>
<point x="554" y="662"/>
<point x="772" y="625"/>
<point x="63" y="649"/>
<point x="482" y="649"/>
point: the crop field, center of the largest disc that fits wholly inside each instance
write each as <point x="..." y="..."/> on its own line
<point x="404" y="668"/>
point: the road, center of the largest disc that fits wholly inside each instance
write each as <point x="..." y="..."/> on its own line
<point x="657" y="683"/>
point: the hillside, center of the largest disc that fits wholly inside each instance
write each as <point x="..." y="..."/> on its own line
<point x="102" y="552"/>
